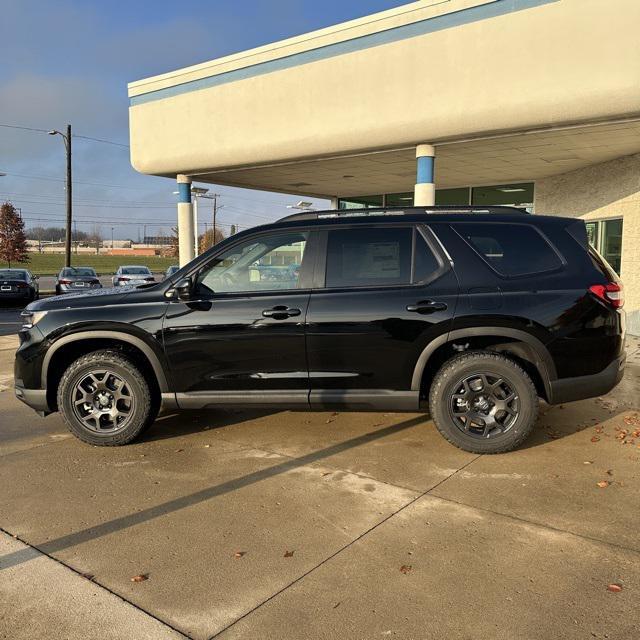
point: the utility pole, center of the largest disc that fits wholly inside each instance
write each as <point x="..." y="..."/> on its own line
<point x="111" y="240"/>
<point x="67" y="146"/>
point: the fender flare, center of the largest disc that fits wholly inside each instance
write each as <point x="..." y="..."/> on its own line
<point x="544" y="362"/>
<point x="149" y="353"/>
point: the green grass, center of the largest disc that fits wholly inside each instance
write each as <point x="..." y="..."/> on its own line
<point x="43" y="264"/>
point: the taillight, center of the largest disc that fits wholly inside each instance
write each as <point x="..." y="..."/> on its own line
<point x="64" y="281"/>
<point x="121" y="279"/>
<point x="612" y="292"/>
<point x="22" y="285"/>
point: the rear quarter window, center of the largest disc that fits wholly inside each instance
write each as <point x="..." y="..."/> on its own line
<point x="512" y="250"/>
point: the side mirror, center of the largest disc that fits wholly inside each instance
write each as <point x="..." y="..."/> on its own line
<point x="183" y="289"/>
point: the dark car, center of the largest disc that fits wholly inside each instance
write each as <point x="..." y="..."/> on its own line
<point x="18" y="284"/>
<point x="77" y="279"/>
<point x="174" y="268"/>
<point x="475" y="314"/>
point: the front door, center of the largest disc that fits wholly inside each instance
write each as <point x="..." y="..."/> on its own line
<point x="389" y="290"/>
<point x="241" y="338"/>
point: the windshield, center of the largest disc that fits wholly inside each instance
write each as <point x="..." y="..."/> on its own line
<point x="79" y="271"/>
<point x="136" y="271"/>
<point x="9" y="274"/>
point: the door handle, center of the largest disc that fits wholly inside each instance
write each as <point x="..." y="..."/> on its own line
<point x="281" y="312"/>
<point x="427" y="306"/>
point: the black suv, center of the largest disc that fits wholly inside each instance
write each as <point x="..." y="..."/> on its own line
<point x="475" y="312"/>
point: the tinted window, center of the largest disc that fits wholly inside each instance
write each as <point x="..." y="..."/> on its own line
<point x="78" y="271"/>
<point x="511" y="249"/>
<point x="262" y="264"/>
<point x="10" y="274"/>
<point x="425" y="262"/>
<point x="131" y="271"/>
<point x="368" y="257"/>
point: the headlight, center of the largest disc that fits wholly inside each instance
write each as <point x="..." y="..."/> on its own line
<point x="31" y="318"/>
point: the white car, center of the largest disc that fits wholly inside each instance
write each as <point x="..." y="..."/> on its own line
<point x="132" y="275"/>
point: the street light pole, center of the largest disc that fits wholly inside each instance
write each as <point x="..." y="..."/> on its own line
<point x="67" y="145"/>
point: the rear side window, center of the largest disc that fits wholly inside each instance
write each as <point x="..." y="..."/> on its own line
<point x="369" y="257"/>
<point x="511" y="249"/>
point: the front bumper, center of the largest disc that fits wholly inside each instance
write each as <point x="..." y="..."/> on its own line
<point x="583" y="387"/>
<point x="34" y="398"/>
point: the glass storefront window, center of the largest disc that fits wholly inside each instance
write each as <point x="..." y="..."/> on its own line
<point x="612" y="242"/>
<point x="518" y="195"/>
<point x="359" y="202"/>
<point x="400" y="199"/>
<point x="452" y="196"/>
<point x="606" y="237"/>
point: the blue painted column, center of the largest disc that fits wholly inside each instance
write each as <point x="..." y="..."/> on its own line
<point x="425" y="191"/>
<point x="185" y="220"/>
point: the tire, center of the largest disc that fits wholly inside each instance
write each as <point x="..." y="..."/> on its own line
<point x="58" y="292"/>
<point x="477" y="384"/>
<point x="109" y="377"/>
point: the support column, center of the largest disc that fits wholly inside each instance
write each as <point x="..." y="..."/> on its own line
<point x="185" y="220"/>
<point x="425" y="190"/>
<point x="334" y="202"/>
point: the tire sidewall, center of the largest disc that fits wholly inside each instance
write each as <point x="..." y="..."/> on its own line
<point x="136" y="383"/>
<point x="448" y="380"/>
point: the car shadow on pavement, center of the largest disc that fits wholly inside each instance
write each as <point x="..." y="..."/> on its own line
<point x="124" y="522"/>
<point x="174" y="425"/>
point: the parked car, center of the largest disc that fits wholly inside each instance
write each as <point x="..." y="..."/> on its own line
<point x="132" y="275"/>
<point x="77" y="279"/>
<point x="18" y="284"/>
<point x="473" y="314"/>
<point x="171" y="270"/>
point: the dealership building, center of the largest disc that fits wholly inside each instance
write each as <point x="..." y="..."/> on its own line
<point x="533" y="103"/>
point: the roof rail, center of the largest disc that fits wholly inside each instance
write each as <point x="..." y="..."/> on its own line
<point x="398" y="211"/>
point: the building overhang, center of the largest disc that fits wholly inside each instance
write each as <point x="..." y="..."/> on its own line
<point x="507" y="90"/>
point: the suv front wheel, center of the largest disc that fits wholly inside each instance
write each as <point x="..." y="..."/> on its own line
<point x="105" y="399"/>
<point x="483" y="402"/>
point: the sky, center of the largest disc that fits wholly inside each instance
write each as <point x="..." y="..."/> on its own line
<point x="66" y="61"/>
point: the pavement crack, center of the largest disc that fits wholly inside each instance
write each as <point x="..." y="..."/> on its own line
<point x="341" y="549"/>
<point x="95" y="582"/>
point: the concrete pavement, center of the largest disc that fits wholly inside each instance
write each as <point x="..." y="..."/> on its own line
<point x="323" y="525"/>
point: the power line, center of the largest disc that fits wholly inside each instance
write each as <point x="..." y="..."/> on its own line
<point x="117" y="144"/>
<point x="75" y="135"/>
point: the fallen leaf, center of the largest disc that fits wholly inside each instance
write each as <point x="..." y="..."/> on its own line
<point x="406" y="568"/>
<point x="179" y="450"/>
<point x="588" y="462"/>
<point x="595" y="439"/>
<point x="289" y="554"/>
<point x="239" y="554"/>
<point x="140" y="577"/>
<point x="335" y="606"/>
<point x="616" y="588"/>
<point x="603" y="484"/>
<point x="609" y="472"/>
<point x="88" y="576"/>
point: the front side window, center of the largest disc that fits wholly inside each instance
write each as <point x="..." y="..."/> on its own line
<point x="511" y="249"/>
<point x="369" y="257"/>
<point x="266" y="263"/>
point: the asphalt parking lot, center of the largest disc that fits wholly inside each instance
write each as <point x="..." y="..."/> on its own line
<point x="237" y="524"/>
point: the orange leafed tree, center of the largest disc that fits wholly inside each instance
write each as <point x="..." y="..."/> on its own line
<point x="13" y="241"/>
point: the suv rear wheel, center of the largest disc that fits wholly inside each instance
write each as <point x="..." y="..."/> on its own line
<point x="105" y="399"/>
<point x="483" y="402"/>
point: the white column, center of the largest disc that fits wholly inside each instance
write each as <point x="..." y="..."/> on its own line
<point x="195" y="225"/>
<point x="425" y="190"/>
<point x="334" y="202"/>
<point x="185" y="220"/>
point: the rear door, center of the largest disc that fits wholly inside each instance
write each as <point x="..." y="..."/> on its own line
<point x="383" y="293"/>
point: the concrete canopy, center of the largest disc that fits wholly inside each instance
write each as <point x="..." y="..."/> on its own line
<point x="506" y="90"/>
